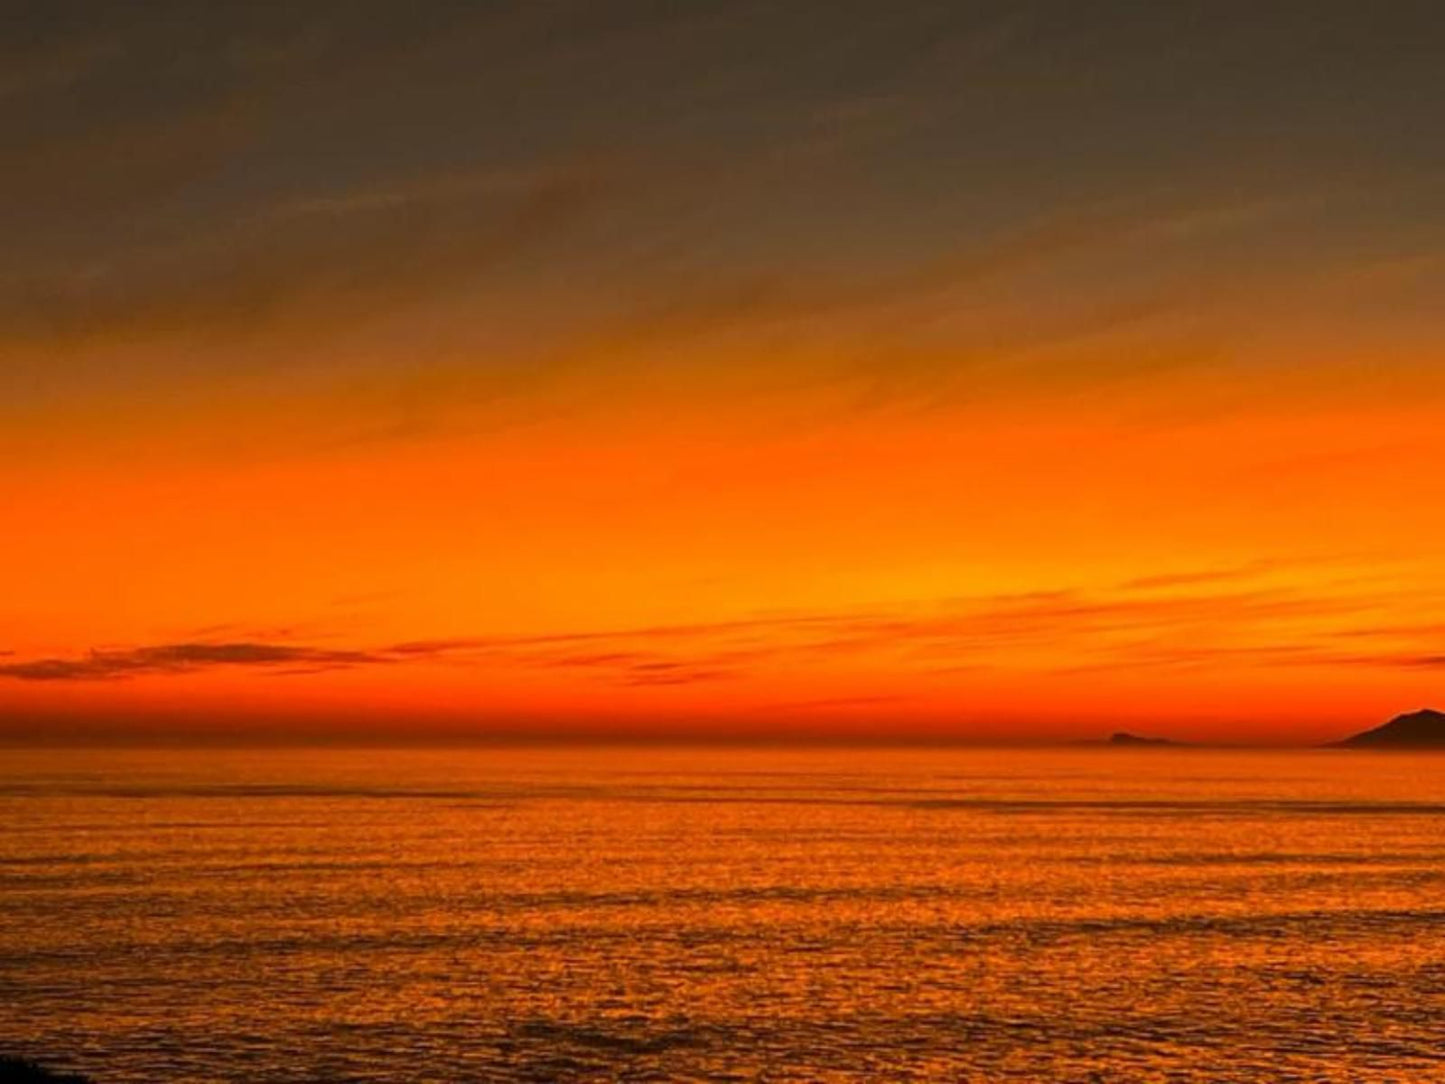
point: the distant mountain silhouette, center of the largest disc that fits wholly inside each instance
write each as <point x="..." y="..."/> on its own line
<point x="24" y="1071"/>
<point x="1417" y="730"/>
<point x="1123" y="737"/>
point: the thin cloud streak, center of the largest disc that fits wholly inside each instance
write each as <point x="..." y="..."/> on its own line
<point x="312" y="261"/>
<point x="183" y="658"/>
<point x="1067" y="631"/>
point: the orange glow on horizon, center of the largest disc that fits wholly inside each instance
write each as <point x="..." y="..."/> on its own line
<point x="1039" y="572"/>
<point x="850" y="370"/>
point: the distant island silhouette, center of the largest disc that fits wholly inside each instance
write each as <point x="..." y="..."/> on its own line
<point x="1424" y="729"/>
<point x="1123" y="737"/>
<point x="25" y="1071"/>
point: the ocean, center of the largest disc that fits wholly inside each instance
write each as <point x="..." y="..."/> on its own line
<point x="711" y="914"/>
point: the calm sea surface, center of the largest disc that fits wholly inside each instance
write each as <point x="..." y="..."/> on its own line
<point x="646" y="914"/>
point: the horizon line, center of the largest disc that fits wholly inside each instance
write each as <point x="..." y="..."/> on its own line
<point x="582" y="739"/>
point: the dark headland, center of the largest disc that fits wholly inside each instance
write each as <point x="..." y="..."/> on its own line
<point x="1418" y="730"/>
<point x="25" y="1071"/>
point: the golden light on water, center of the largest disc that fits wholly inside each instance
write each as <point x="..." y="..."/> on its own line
<point x="590" y="913"/>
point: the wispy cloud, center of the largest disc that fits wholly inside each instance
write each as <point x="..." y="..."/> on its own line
<point x="270" y="178"/>
<point x="1188" y="620"/>
<point x="323" y="260"/>
<point x="1201" y="577"/>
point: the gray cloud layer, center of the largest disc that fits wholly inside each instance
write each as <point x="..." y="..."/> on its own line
<point x="199" y="171"/>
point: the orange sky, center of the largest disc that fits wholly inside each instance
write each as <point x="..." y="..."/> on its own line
<point x="1054" y="570"/>
<point x="649" y="438"/>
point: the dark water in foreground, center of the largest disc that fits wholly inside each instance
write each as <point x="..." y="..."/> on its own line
<point x="588" y="914"/>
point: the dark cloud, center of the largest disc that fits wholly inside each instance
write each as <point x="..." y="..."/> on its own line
<point x="1403" y="661"/>
<point x="682" y="654"/>
<point x="102" y="665"/>
<point x="679" y="676"/>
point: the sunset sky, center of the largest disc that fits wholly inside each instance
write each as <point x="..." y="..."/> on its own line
<point x="984" y="370"/>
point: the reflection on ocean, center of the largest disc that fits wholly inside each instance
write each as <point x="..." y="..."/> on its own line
<point x="669" y="914"/>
